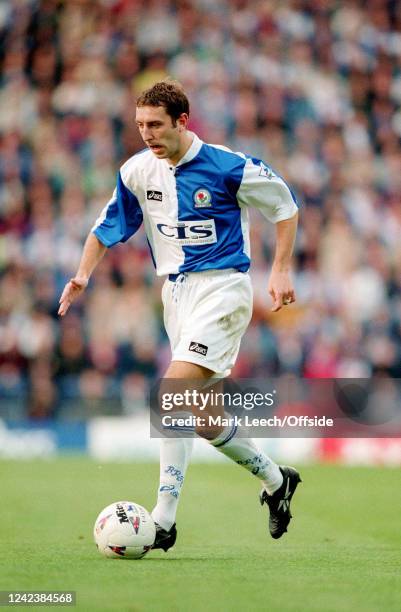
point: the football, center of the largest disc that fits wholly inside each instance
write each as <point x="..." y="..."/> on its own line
<point x="124" y="530"/>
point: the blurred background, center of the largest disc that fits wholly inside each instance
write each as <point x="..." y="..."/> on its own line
<point x="311" y="87"/>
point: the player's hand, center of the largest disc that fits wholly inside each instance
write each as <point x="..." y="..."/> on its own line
<point x="72" y="290"/>
<point x="281" y="289"/>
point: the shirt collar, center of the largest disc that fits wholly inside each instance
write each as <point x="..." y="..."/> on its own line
<point x="192" y="151"/>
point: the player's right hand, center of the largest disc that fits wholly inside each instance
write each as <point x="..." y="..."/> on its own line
<point x="72" y="290"/>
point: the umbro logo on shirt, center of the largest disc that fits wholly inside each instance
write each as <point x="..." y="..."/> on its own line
<point x="196" y="347"/>
<point x="154" y="195"/>
<point x="266" y="171"/>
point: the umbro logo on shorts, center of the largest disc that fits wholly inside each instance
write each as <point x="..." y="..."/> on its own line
<point x="154" y="195"/>
<point x="196" y="347"/>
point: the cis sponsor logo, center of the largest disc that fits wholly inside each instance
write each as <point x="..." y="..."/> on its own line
<point x="189" y="232"/>
<point x="151" y="194"/>
<point x="196" y="347"/>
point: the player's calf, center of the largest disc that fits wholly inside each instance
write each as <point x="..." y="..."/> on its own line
<point x="207" y="429"/>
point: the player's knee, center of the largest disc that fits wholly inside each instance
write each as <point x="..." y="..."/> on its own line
<point x="208" y="431"/>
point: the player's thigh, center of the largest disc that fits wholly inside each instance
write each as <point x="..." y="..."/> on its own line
<point x="188" y="371"/>
<point x="214" y="322"/>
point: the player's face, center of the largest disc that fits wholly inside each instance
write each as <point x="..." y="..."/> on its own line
<point x="159" y="133"/>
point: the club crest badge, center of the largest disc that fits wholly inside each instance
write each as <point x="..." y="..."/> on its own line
<point x="202" y="198"/>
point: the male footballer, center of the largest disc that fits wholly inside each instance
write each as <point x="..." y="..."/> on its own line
<point x="193" y="199"/>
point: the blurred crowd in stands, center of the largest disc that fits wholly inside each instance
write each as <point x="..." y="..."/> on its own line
<point x="311" y="87"/>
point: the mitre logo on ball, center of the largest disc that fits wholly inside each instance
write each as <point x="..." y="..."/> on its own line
<point x="202" y="198"/>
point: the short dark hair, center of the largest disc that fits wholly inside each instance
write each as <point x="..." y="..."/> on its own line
<point x="168" y="93"/>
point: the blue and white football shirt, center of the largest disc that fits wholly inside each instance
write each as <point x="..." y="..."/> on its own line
<point x="196" y="213"/>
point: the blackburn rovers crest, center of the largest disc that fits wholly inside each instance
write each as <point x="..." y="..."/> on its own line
<point x="202" y="198"/>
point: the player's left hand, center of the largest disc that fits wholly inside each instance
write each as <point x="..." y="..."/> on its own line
<point x="281" y="289"/>
<point x="72" y="290"/>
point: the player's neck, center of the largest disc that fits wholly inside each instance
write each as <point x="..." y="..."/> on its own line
<point x="185" y="144"/>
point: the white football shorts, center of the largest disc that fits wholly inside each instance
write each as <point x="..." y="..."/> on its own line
<point x="205" y="316"/>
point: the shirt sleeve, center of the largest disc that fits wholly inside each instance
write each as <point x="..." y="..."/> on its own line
<point x="120" y="218"/>
<point x="261" y="188"/>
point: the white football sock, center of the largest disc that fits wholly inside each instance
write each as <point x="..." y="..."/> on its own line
<point x="175" y="454"/>
<point x="244" y="452"/>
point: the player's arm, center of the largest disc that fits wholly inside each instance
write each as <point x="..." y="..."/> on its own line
<point x="118" y="221"/>
<point x="280" y="284"/>
<point x="261" y="188"/>
<point x="91" y="255"/>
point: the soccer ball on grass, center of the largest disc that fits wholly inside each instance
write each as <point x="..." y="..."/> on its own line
<point x="124" y="530"/>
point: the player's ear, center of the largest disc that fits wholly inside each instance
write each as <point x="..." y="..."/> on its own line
<point x="182" y="122"/>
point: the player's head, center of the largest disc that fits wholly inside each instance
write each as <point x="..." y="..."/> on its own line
<point x="162" y="117"/>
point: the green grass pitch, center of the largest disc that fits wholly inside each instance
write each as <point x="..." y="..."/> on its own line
<point x="342" y="552"/>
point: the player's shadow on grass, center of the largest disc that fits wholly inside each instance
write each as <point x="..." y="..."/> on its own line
<point x="189" y="559"/>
